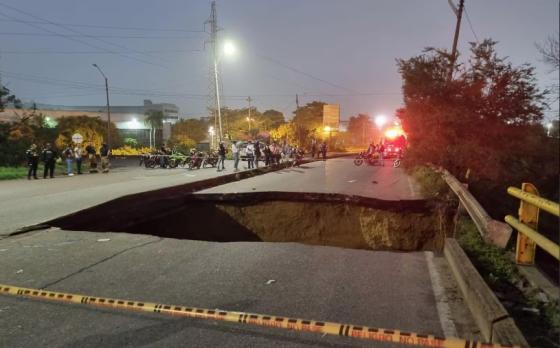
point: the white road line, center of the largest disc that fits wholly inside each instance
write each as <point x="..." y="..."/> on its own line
<point x="352" y="180"/>
<point x="444" y="312"/>
<point x="411" y="187"/>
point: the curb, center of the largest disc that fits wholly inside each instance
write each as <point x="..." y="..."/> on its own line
<point x="491" y="317"/>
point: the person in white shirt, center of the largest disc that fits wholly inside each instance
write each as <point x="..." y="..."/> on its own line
<point x="235" y="152"/>
<point x="250" y="151"/>
<point x="78" y="158"/>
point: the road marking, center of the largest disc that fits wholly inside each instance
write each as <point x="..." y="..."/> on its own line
<point x="411" y="187"/>
<point x="352" y="180"/>
<point x="270" y="321"/>
<point x="444" y="312"/>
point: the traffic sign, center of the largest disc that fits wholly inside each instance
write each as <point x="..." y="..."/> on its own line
<point x="77" y="138"/>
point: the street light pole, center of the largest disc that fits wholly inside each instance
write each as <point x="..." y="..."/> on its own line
<point x="108" y="106"/>
<point x="249" y="118"/>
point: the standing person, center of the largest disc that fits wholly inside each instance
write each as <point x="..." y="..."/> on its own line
<point x="257" y="153"/>
<point x="49" y="159"/>
<point x="68" y="155"/>
<point x="78" y="158"/>
<point x="235" y="153"/>
<point x="266" y="154"/>
<point x="104" y="154"/>
<point x="276" y="153"/>
<point x="32" y="161"/>
<point x="381" y="150"/>
<point x="92" y="157"/>
<point x="250" y="151"/>
<point x="221" y="156"/>
<point x="323" y="150"/>
<point x="313" y="148"/>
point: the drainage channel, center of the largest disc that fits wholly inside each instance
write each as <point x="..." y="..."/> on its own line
<point x="311" y="218"/>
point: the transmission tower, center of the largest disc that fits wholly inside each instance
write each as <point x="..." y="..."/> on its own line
<point x="214" y="86"/>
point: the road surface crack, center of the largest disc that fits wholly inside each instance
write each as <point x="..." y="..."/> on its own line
<point x="99" y="262"/>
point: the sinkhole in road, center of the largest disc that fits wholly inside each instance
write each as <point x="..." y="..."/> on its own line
<point x="310" y="218"/>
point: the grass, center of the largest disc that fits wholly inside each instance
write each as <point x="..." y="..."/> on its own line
<point x="9" y="173"/>
<point x="431" y="183"/>
<point x="500" y="273"/>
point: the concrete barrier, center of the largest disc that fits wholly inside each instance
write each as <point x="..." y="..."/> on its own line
<point x="489" y="314"/>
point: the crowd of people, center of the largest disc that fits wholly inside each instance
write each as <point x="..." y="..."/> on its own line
<point x="71" y="155"/>
<point x="254" y="152"/>
<point x="270" y="153"/>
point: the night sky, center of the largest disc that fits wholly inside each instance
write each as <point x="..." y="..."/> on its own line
<point x="339" y="51"/>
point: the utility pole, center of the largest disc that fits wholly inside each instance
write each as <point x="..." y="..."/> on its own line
<point x="108" y="107"/>
<point x="249" y="118"/>
<point x="214" y="79"/>
<point x="459" y="14"/>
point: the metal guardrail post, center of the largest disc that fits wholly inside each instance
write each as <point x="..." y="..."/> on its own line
<point x="528" y="215"/>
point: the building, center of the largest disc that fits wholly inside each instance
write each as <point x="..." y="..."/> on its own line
<point x="129" y="120"/>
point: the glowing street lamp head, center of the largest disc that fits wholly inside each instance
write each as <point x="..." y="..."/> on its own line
<point x="229" y="48"/>
<point x="327" y="129"/>
<point x="380" y="120"/>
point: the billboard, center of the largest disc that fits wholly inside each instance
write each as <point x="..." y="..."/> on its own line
<point x="331" y="116"/>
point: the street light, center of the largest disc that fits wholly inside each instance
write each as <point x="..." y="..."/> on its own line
<point x="108" y="107"/>
<point x="211" y="131"/>
<point x="548" y="128"/>
<point x="380" y="121"/>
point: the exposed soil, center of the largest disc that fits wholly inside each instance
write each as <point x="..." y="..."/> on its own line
<point x="311" y="218"/>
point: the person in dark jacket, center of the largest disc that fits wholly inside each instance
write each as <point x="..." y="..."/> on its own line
<point x="90" y="150"/>
<point x="32" y="161"/>
<point x="104" y="154"/>
<point x="221" y="156"/>
<point x="257" y="153"/>
<point x="323" y="150"/>
<point x="48" y="156"/>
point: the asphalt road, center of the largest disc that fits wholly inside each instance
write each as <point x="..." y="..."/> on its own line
<point x="25" y="203"/>
<point x="338" y="175"/>
<point x="406" y="291"/>
<point x="378" y="289"/>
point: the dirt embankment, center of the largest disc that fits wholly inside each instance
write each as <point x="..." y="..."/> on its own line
<point x="338" y="224"/>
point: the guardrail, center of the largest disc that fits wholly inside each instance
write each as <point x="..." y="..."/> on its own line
<point x="527" y="224"/>
<point x="496" y="232"/>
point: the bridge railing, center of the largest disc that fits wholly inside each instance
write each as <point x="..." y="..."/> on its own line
<point x="528" y="236"/>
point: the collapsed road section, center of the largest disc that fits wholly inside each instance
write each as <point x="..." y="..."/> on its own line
<point x="310" y="218"/>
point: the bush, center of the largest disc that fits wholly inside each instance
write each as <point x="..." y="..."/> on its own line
<point x="131" y="142"/>
<point x="130" y="151"/>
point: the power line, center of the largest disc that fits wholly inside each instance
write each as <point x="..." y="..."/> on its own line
<point x="71" y="38"/>
<point x="106" y="26"/>
<point x="98" y="52"/>
<point x="304" y="73"/>
<point x="470" y="25"/>
<point x="102" y="36"/>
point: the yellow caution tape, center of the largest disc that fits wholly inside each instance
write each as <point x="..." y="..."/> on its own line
<point x="323" y="327"/>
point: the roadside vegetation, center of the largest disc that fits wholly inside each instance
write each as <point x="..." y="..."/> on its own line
<point x="8" y="173"/>
<point x="538" y="320"/>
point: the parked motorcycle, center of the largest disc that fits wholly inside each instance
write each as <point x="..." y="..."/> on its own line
<point x="196" y="161"/>
<point x="211" y="159"/>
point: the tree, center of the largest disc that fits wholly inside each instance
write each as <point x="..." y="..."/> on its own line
<point x="361" y="130"/>
<point x="550" y="51"/>
<point x="193" y="129"/>
<point x="272" y="119"/>
<point x="6" y="98"/>
<point x="92" y="129"/>
<point x="154" y="119"/>
<point x="477" y="120"/>
<point x="308" y="122"/>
